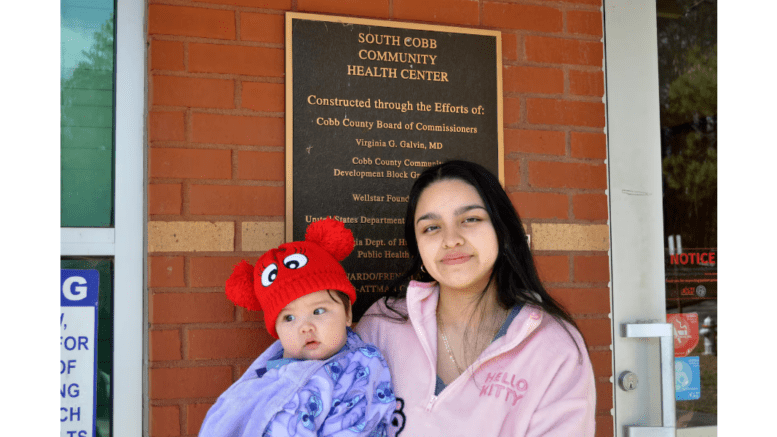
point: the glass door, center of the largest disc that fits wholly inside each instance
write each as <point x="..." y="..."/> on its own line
<point x="655" y="135"/>
<point x="687" y="73"/>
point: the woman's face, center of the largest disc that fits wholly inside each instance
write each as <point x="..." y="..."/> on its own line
<point x="456" y="239"/>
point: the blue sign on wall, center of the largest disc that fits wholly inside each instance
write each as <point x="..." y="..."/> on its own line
<point x="79" y="293"/>
<point x="687" y="379"/>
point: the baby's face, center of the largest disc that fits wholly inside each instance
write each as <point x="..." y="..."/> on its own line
<point x="313" y="326"/>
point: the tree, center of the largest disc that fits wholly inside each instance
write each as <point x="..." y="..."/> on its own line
<point x="688" y="96"/>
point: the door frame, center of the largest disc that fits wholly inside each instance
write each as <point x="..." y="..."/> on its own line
<point x="635" y="202"/>
<point x="130" y="383"/>
<point x="636" y="211"/>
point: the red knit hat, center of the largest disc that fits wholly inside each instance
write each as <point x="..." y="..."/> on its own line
<point x="293" y="270"/>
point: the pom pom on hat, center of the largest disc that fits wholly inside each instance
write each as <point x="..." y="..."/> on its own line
<point x="240" y="287"/>
<point x="332" y="236"/>
<point x="293" y="270"/>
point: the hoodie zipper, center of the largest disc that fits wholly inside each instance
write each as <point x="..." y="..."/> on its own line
<point x="427" y="348"/>
<point x="431" y="403"/>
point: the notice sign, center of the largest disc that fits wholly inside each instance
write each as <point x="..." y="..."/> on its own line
<point x="79" y="292"/>
<point x="370" y="105"/>
<point x="686" y="332"/>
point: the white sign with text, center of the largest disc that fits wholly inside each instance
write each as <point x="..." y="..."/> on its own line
<point x="79" y="294"/>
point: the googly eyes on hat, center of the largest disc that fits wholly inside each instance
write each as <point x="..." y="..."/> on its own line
<point x="295" y="261"/>
<point x="291" y="262"/>
<point x="269" y="274"/>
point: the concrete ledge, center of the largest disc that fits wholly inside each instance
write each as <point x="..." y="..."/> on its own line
<point x="262" y="236"/>
<point x="561" y="236"/>
<point x="191" y="237"/>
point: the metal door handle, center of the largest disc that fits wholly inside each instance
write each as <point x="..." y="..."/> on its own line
<point x="668" y="418"/>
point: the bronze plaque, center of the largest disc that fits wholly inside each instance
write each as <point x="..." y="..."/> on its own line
<point x="371" y="104"/>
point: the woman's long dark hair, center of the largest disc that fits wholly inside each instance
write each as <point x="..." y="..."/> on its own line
<point x="515" y="273"/>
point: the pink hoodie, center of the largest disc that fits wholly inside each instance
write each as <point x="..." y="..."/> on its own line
<point x="530" y="382"/>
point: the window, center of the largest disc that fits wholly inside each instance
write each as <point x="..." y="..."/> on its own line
<point x="87" y="112"/>
<point x="102" y="203"/>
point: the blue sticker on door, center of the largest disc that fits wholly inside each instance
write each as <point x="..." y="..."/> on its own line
<point x="687" y="382"/>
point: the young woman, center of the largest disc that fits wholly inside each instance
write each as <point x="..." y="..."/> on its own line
<point x="475" y="344"/>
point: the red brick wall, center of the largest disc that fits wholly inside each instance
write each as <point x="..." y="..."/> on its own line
<point x="216" y="172"/>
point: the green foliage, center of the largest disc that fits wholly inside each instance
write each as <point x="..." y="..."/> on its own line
<point x="697" y="27"/>
<point x="694" y="171"/>
<point x="694" y="93"/>
<point x="693" y="96"/>
<point x="689" y="105"/>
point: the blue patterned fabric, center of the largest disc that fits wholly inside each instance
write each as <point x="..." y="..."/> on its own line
<point x="349" y="394"/>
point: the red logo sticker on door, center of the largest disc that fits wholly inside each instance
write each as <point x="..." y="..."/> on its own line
<point x="686" y="332"/>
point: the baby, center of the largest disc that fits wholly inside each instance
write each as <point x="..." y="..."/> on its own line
<point x="320" y="378"/>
